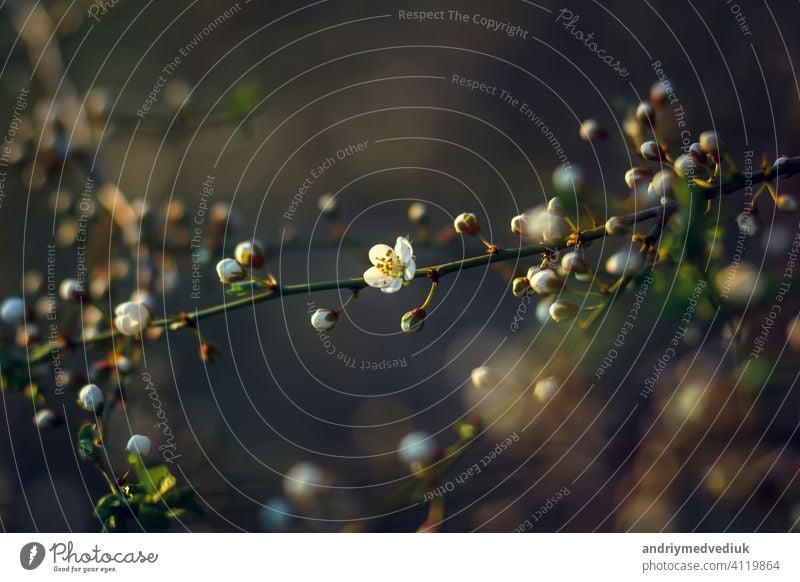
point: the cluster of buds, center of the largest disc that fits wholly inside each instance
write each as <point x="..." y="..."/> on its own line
<point x="247" y="255"/>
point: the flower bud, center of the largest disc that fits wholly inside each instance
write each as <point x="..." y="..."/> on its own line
<point x="698" y="155"/>
<point x="417" y="448"/>
<point x="483" y="378"/>
<point x="328" y="205"/>
<point x="786" y="203"/>
<point x="46" y="419"/>
<point x="12" y="310"/>
<point x="70" y="290"/>
<point x="615" y="226"/>
<point x="413" y="321"/>
<point x="660" y="93"/>
<point x="636" y="176"/>
<point x="569" y="179"/>
<point x="324" y="319"/>
<point x="651" y="151"/>
<point x="545" y="282"/>
<point x="710" y="143"/>
<point x="685" y="166"/>
<point x="625" y="262"/>
<point x="304" y="482"/>
<point x="229" y="271"/>
<point x="574" y="263"/>
<point x="467" y="223"/>
<point x="519" y="224"/>
<point x="543" y="309"/>
<point x="90" y="398"/>
<point x="645" y="114"/>
<point x="591" y="131"/>
<point x="661" y="185"/>
<point x="748" y="223"/>
<point x="139" y="444"/>
<point x="249" y="254"/>
<point x="418" y="213"/>
<point x="555" y="206"/>
<point x="132" y="318"/>
<point x="520" y="286"/>
<point x="562" y="311"/>
<point x="546" y="388"/>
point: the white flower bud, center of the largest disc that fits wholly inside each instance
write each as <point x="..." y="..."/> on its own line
<point x="12" y="310"/>
<point x="139" y="444"/>
<point x="324" y="319"/>
<point x="413" y="321"/>
<point x="46" y="419"/>
<point x="660" y="186"/>
<point x="546" y="282"/>
<point x="685" y="166"/>
<point x="574" y="263"/>
<point x="561" y="311"/>
<point x="542" y="226"/>
<point x="519" y="224"/>
<point x="132" y="318"/>
<point x="569" y="179"/>
<point x="615" y="226"/>
<point x="483" y="378"/>
<point x="650" y="150"/>
<point x="90" y="397"/>
<point x="520" y="287"/>
<point x="229" y="271"/>
<point x="328" y="205"/>
<point x="546" y="388"/>
<point x="417" y="448"/>
<point x="710" y="143"/>
<point x="748" y="223"/>
<point x="625" y="262"/>
<point x="591" y="131"/>
<point x="249" y="254"/>
<point x="786" y="203"/>
<point x="70" y="290"/>
<point x="645" y="114"/>
<point x="418" y="213"/>
<point x="543" y="309"/>
<point x="556" y="207"/>
<point x="467" y="223"/>
<point x="304" y="482"/>
<point x="636" y="176"/>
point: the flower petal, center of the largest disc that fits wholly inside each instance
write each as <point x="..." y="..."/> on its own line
<point x="393" y="286"/>
<point x="410" y="270"/>
<point x="403" y="249"/>
<point x="374" y="278"/>
<point x="379" y="253"/>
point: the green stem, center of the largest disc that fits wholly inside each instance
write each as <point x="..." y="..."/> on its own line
<point x="790" y="167"/>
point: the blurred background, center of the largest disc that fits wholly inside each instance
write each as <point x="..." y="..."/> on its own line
<point x="250" y="99"/>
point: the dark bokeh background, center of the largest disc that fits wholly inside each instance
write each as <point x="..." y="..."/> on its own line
<point x="335" y="76"/>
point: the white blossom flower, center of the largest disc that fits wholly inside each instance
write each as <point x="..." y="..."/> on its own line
<point x="139" y="445"/>
<point x="392" y="266"/>
<point x="90" y="397"/>
<point x="229" y="271"/>
<point x="132" y="318"/>
<point x="561" y="310"/>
